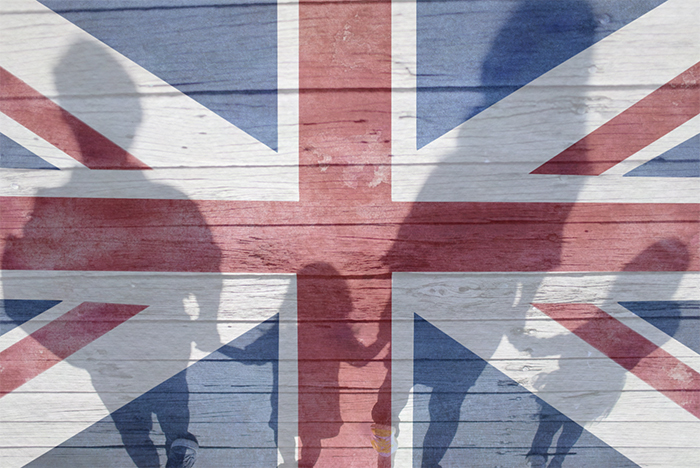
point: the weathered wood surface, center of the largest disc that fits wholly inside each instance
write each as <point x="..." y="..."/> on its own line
<point x="358" y="243"/>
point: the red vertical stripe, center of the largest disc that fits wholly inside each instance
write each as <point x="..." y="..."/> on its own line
<point x="344" y="358"/>
<point x="345" y="101"/>
<point x="345" y="131"/>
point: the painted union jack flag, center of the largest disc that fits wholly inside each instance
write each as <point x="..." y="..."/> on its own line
<point x="430" y="233"/>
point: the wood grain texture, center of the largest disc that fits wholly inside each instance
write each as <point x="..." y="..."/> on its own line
<point x="306" y="299"/>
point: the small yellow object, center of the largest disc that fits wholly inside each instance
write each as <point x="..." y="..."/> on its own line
<point x="383" y="439"/>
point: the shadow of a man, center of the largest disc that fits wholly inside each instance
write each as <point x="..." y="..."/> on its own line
<point x="115" y="234"/>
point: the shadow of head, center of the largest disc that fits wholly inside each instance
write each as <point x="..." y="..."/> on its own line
<point x="325" y="291"/>
<point x="91" y="82"/>
<point x="665" y="255"/>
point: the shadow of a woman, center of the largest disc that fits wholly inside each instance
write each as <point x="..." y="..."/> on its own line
<point x="537" y="36"/>
<point x="80" y="234"/>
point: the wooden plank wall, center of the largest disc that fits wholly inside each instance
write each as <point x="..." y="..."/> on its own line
<point x="350" y="234"/>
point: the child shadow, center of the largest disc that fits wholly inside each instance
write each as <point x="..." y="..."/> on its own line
<point x="551" y="421"/>
<point x="327" y="340"/>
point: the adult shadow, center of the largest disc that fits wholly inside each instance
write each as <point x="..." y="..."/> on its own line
<point x="122" y="234"/>
<point x="537" y="36"/>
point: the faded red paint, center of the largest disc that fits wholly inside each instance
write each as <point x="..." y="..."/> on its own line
<point x="283" y="237"/>
<point x="344" y="157"/>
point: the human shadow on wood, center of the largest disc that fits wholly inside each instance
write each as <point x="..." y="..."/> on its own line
<point x="326" y="331"/>
<point x="118" y="234"/>
<point x="663" y="254"/>
<point x="537" y="36"/>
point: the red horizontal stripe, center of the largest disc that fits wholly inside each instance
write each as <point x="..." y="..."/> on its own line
<point x="57" y="340"/>
<point x="281" y="237"/>
<point x="66" y="132"/>
<point x="653" y="365"/>
<point x="662" y="111"/>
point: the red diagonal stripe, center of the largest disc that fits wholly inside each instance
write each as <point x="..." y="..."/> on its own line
<point x="54" y="342"/>
<point x="642" y="124"/>
<point x="632" y="351"/>
<point x="66" y="132"/>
